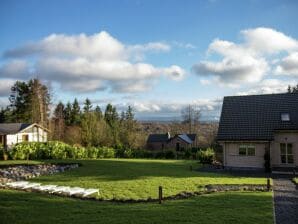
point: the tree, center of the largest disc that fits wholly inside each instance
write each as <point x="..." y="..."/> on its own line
<point x="111" y="115"/>
<point x="98" y="112"/>
<point x="293" y="89"/>
<point x="87" y="106"/>
<point x="30" y="102"/>
<point x="59" y="122"/>
<point x="191" y="117"/>
<point x="39" y="98"/>
<point x="75" y="113"/>
<point x="67" y="114"/>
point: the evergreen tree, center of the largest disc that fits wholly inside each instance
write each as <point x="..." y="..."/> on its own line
<point x="30" y="102"/>
<point x="59" y="122"/>
<point x="67" y="114"/>
<point x="98" y="112"/>
<point x="87" y="106"/>
<point x="75" y="113"/>
<point x="293" y="89"/>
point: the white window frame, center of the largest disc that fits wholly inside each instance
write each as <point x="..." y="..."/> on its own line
<point x="246" y="147"/>
<point x="285" y="117"/>
<point x="286" y="153"/>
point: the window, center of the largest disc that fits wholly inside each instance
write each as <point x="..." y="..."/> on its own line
<point x="247" y="150"/>
<point x="286" y="153"/>
<point x="285" y="117"/>
<point x="25" y="138"/>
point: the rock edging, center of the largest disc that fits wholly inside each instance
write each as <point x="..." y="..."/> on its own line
<point x="24" y="172"/>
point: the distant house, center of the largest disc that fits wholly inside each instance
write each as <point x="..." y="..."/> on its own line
<point x="251" y="126"/>
<point x="12" y="133"/>
<point x="165" y="141"/>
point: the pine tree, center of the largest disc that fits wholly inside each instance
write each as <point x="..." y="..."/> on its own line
<point x="67" y="114"/>
<point x="75" y="113"/>
<point x="87" y="106"/>
<point x="59" y="122"/>
<point x="98" y="112"/>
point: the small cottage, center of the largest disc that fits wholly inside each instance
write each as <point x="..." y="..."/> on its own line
<point x="178" y="142"/>
<point x="13" y="133"/>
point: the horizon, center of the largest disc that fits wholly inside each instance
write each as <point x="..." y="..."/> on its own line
<point x="157" y="57"/>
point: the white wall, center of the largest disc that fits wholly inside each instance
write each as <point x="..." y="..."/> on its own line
<point x="35" y="134"/>
<point x="233" y="159"/>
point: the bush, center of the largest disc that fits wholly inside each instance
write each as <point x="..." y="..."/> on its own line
<point x="206" y="156"/>
<point x="170" y="154"/>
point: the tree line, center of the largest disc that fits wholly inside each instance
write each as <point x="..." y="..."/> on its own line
<point x="88" y="126"/>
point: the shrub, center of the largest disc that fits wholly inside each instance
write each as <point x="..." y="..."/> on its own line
<point x="206" y="156"/>
<point x="128" y="153"/>
<point x="170" y="154"/>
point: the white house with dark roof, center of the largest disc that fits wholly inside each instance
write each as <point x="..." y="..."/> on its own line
<point x="252" y="125"/>
<point x="13" y="133"/>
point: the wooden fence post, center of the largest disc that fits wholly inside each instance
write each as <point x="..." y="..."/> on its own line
<point x="268" y="184"/>
<point x="160" y="194"/>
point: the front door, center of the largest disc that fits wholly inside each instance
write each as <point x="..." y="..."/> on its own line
<point x="286" y="153"/>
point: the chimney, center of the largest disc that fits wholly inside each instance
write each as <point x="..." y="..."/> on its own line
<point x="169" y="135"/>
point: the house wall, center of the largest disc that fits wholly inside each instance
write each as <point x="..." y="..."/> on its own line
<point x="174" y="141"/>
<point x="233" y="159"/>
<point x="275" y="148"/>
<point x="35" y="134"/>
<point x="155" y="146"/>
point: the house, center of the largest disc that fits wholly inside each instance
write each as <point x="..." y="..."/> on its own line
<point x="251" y="126"/>
<point x="12" y="133"/>
<point x="178" y="142"/>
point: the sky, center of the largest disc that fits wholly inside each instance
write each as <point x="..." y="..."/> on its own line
<point x="157" y="56"/>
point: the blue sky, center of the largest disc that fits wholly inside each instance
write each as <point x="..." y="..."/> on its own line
<point x="157" y="56"/>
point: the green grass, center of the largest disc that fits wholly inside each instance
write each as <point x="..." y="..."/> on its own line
<point x="295" y="180"/>
<point x="139" y="178"/>
<point x="241" y="207"/>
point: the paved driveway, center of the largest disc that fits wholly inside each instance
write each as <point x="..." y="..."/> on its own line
<point x="285" y="200"/>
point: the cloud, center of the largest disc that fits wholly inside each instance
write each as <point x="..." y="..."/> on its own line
<point x="249" y="61"/>
<point x="15" y="69"/>
<point x="266" y="40"/>
<point x="5" y="85"/>
<point x="269" y="86"/>
<point x="288" y="65"/>
<point x="83" y="63"/>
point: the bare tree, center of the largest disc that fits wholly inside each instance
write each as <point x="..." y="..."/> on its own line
<point x="191" y="117"/>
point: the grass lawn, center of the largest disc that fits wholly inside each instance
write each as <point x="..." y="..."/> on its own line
<point x="139" y="178"/>
<point x="241" y="207"/>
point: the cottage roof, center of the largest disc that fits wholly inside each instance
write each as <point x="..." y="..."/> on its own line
<point x="158" y="138"/>
<point x="186" y="138"/>
<point x="12" y="128"/>
<point x="256" y="117"/>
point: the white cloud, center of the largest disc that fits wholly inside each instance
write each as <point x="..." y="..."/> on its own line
<point x="269" y="86"/>
<point x="5" y="85"/>
<point x="288" y="65"/>
<point x="85" y="63"/>
<point x="248" y="62"/>
<point x="266" y="40"/>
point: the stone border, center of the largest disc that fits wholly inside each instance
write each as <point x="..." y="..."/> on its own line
<point x="209" y="189"/>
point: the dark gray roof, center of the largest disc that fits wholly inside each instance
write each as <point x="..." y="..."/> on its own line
<point x="158" y="138"/>
<point x="256" y="117"/>
<point x="12" y="128"/>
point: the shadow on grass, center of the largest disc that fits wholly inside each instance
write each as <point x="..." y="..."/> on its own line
<point x="20" y="207"/>
<point x="121" y="170"/>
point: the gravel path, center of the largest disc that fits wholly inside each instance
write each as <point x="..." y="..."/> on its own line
<point x="285" y="201"/>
